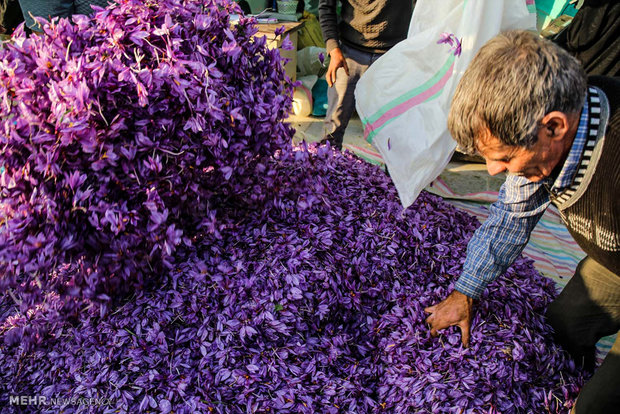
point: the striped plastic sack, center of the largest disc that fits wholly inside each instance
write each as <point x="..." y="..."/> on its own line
<point x="403" y="99"/>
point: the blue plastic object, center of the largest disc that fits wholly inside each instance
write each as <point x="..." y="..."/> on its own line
<point x="319" y="98"/>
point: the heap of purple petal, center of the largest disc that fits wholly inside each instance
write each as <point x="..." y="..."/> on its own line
<point x="308" y="298"/>
<point x="110" y="125"/>
<point x="281" y="280"/>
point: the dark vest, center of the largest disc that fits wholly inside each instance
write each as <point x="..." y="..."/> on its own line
<point x="590" y="207"/>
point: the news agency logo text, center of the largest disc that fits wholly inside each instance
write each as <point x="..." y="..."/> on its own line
<point x="41" y="400"/>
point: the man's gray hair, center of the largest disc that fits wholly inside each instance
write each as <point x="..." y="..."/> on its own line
<point x="514" y="80"/>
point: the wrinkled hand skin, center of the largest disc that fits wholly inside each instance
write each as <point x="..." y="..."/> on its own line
<point x="336" y="60"/>
<point x="455" y="310"/>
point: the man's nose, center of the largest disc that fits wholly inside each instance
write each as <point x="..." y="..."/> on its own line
<point x="495" y="167"/>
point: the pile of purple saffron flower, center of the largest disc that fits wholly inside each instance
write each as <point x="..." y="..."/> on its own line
<point x="114" y="128"/>
<point x="281" y="280"/>
<point x="308" y="300"/>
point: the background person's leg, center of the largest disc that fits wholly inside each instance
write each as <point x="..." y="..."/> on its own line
<point x="83" y="6"/>
<point x="46" y="9"/>
<point x="341" y="98"/>
<point x="10" y="16"/>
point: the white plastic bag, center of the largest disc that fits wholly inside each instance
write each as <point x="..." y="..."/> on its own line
<point x="403" y="99"/>
<point x="302" y="96"/>
<point x="309" y="62"/>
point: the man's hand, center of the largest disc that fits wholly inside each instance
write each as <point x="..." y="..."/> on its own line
<point x="336" y="60"/>
<point x="455" y="310"/>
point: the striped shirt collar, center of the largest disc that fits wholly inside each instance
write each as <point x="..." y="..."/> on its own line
<point x="565" y="178"/>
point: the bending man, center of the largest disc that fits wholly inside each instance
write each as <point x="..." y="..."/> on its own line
<point x="525" y="105"/>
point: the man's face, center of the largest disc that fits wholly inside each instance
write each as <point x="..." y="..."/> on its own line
<point x="533" y="163"/>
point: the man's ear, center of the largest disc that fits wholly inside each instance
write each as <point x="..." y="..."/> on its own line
<point x="556" y="125"/>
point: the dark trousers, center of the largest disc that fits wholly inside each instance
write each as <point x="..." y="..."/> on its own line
<point x="340" y="97"/>
<point x="56" y="8"/>
<point x="585" y="311"/>
<point x="10" y="16"/>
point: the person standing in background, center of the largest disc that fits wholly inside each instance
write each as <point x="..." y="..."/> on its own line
<point x="593" y="37"/>
<point x="56" y="8"/>
<point x="365" y="31"/>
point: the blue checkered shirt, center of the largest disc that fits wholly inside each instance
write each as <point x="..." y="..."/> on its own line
<point x="520" y="204"/>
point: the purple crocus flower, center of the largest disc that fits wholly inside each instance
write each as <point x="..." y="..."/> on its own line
<point x="452" y="40"/>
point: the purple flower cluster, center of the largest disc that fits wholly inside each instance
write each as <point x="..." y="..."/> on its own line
<point x="452" y="40"/>
<point x="115" y="131"/>
<point x="305" y="296"/>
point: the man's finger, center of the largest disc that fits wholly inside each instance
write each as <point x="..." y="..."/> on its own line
<point x="433" y="332"/>
<point x="430" y="309"/>
<point x="464" y="333"/>
<point x="345" y="67"/>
